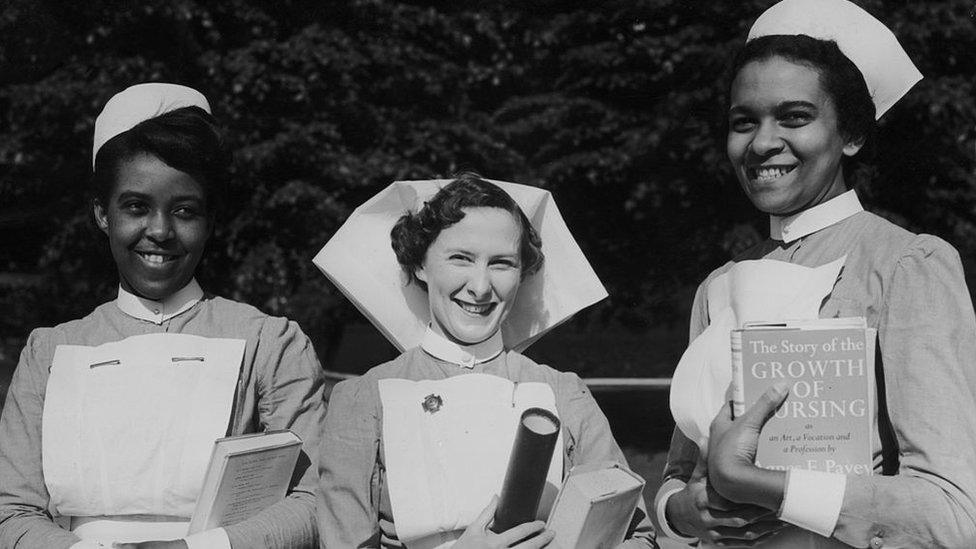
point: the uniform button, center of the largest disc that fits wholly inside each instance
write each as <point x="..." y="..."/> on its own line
<point x="156" y="311"/>
<point x="877" y="542"/>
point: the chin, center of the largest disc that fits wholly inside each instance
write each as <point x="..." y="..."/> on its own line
<point x="770" y="203"/>
<point x="471" y="335"/>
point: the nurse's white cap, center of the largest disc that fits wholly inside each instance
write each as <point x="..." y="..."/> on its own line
<point x="360" y="261"/>
<point x="141" y="102"/>
<point x="887" y="69"/>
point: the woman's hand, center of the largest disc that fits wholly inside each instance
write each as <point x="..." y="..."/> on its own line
<point x="700" y="511"/>
<point x="732" y="448"/>
<point x="169" y="544"/>
<point x="478" y="536"/>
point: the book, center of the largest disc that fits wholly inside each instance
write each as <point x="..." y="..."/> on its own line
<point x="827" y="420"/>
<point x="247" y="474"/>
<point x="594" y="507"/>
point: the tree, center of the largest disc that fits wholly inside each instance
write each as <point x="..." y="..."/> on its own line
<point x="618" y="108"/>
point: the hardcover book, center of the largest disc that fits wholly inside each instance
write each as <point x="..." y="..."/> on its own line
<point x="827" y="420"/>
<point x="594" y="507"/>
<point x="247" y="474"/>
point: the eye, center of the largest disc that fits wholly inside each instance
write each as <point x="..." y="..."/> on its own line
<point x="459" y="258"/>
<point x="187" y="212"/>
<point x="134" y="207"/>
<point x="741" y="124"/>
<point x="505" y="263"/>
<point x="795" y="119"/>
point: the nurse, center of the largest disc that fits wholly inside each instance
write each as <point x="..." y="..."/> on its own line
<point x="111" y="418"/>
<point x="415" y="449"/>
<point x="807" y="88"/>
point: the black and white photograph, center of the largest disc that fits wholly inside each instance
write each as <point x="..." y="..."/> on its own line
<point x="345" y="274"/>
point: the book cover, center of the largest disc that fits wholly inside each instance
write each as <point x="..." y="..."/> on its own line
<point x="827" y="420"/>
<point x="247" y="474"/>
<point x="594" y="507"/>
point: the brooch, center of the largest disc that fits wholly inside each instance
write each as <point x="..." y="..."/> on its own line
<point x="432" y="403"/>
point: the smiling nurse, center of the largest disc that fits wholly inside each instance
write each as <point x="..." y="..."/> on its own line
<point x="397" y="471"/>
<point x="110" y="420"/>
<point x="807" y="88"/>
<point x="157" y="221"/>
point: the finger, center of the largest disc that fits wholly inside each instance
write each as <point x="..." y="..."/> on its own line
<point x="537" y="541"/>
<point x="741" y="515"/>
<point x="751" y="533"/>
<point x="388" y="535"/>
<point x="722" y="421"/>
<point x="764" y="408"/>
<point x="487" y="514"/>
<point x="522" y="531"/>
<point x="722" y="507"/>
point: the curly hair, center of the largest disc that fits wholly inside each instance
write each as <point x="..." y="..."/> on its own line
<point x="839" y="77"/>
<point x="186" y="139"/>
<point x="413" y="233"/>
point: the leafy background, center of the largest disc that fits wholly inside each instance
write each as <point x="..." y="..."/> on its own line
<point x="616" y="107"/>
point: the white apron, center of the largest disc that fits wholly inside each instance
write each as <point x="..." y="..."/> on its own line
<point x="756" y="290"/>
<point x="128" y="428"/>
<point x="443" y="466"/>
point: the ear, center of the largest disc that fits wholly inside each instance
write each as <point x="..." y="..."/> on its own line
<point x="101" y="216"/>
<point x="421" y="274"/>
<point x="853" y="146"/>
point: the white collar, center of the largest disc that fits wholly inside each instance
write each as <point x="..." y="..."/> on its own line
<point x="813" y="219"/>
<point x="465" y="356"/>
<point x="158" y="312"/>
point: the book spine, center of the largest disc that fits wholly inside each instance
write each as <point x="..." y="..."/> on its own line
<point x="738" y="391"/>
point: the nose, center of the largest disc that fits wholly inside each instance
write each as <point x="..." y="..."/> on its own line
<point x="766" y="140"/>
<point x="159" y="227"/>
<point x="479" y="283"/>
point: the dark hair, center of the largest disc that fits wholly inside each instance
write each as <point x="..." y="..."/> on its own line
<point x="839" y="77"/>
<point x="186" y="139"/>
<point x="415" y="232"/>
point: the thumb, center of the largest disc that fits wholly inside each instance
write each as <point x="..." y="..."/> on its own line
<point x="487" y="514"/>
<point x="764" y="408"/>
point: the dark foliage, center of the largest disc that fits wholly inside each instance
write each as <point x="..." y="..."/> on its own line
<point x="617" y="107"/>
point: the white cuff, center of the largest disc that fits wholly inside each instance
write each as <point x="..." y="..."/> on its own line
<point x="813" y="500"/>
<point x="215" y="538"/>
<point x="670" y="487"/>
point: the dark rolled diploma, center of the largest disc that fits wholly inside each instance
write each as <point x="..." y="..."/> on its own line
<point x="525" y="478"/>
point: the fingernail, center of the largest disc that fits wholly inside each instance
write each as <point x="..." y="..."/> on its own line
<point x="781" y="388"/>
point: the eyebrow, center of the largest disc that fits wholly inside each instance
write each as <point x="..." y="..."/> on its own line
<point x="780" y="107"/>
<point x="787" y="105"/>
<point x="516" y="254"/>
<point x="144" y="196"/>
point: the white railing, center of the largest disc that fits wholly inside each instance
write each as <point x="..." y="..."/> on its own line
<point x="596" y="384"/>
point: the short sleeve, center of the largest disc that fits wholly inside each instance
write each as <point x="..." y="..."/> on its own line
<point x="593" y="442"/>
<point x="24" y="517"/>
<point x="290" y="396"/>
<point x="927" y="337"/>
<point x="682" y="452"/>
<point x="348" y="495"/>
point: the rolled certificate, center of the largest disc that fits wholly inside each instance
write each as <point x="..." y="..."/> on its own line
<point x="525" y="478"/>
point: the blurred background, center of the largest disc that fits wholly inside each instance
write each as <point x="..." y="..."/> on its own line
<point x="617" y="107"/>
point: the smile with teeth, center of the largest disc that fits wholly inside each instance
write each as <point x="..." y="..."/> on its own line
<point x="156" y="258"/>
<point x="764" y="174"/>
<point x="476" y="308"/>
